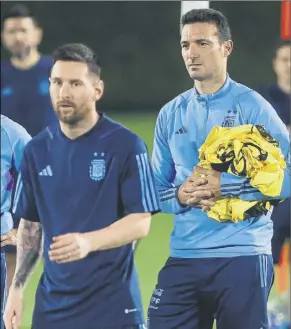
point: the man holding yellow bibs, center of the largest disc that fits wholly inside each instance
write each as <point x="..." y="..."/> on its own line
<point x="220" y="265"/>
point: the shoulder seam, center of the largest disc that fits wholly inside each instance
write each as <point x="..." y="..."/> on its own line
<point x="175" y="109"/>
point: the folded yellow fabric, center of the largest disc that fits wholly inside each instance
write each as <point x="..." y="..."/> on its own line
<point x="246" y="151"/>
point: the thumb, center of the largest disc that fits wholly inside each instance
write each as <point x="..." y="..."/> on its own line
<point x="17" y="320"/>
<point x="204" y="171"/>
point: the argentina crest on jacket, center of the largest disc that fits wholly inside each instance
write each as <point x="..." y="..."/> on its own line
<point x="230" y="120"/>
<point x="97" y="168"/>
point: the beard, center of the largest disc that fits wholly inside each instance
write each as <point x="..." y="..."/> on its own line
<point x="71" y="117"/>
<point x="20" y="52"/>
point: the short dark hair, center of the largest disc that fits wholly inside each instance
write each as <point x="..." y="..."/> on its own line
<point x="208" y="16"/>
<point x="280" y="44"/>
<point x="77" y="52"/>
<point x="19" y="11"/>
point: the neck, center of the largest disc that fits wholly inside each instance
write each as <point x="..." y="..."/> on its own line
<point x="28" y="61"/>
<point x="285" y="85"/>
<point x="210" y="86"/>
<point x="80" y="128"/>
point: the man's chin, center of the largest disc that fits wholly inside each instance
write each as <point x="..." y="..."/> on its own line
<point x="20" y="54"/>
<point x="197" y="76"/>
<point x="69" y="120"/>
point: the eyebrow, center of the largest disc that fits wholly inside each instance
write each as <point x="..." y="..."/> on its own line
<point x="196" y="41"/>
<point x="60" y="79"/>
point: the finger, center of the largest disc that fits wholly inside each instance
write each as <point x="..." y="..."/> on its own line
<point x="6" y="243"/>
<point x="17" y="320"/>
<point x="190" y="188"/>
<point x="60" y="244"/>
<point x="203" y="195"/>
<point x="7" y="322"/>
<point x="73" y="257"/>
<point x="203" y="171"/>
<point x="207" y="203"/>
<point x="200" y="181"/>
<point x="198" y="196"/>
<point x="4" y="237"/>
<point x="62" y="237"/>
<point x="205" y="209"/>
<point x="62" y="252"/>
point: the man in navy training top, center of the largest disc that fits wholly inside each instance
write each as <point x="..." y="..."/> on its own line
<point x="13" y="140"/>
<point x="88" y="192"/>
<point x="278" y="94"/>
<point x="24" y="78"/>
<point x="24" y="82"/>
<point x="221" y="270"/>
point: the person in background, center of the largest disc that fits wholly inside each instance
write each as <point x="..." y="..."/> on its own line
<point x="24" y="82"/>
<point x="278" y="94"/>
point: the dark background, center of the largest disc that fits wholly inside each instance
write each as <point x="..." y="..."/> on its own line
<point x="138" y="44"/>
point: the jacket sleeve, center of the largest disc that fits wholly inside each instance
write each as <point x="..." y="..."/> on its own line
<point x="164" y="168"/>
<point x="259" y="112"/>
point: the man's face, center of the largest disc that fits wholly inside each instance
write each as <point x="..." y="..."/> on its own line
<point x="203" y="53"/>
<point x="281" y="63"/>
<point x="74" y="91"/>
<point x="19" y="35"/>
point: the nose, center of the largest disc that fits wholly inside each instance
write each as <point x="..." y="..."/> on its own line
<point x="19" y="36"/>
<point x="193" y="51"/>
<point x="65" y="91"/>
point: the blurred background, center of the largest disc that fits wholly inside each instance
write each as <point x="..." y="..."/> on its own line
<point x="139" y="50"/>
<point x="138" y="44"/>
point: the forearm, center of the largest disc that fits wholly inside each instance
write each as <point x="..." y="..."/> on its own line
<point x="124" y="231"/>
<point x="29" y="250"/>
<point x="169" y="201"/>
<point x="239" y="187"/>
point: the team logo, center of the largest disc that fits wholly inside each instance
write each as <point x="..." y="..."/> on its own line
<point x="231" y="119"/>
<point x="97" y="169"/>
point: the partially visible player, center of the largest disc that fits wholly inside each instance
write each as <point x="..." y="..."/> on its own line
<point x="221" y="270"/>
<point x="88" y="192"/>
<point x="279" y="95"/>
<point x="24" y="82"/>
<point x="24" y="78"/>
<point x="13" y="140"/>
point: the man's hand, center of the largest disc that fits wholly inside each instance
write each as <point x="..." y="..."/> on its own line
<point x="69" y="248"/>
<point x="9" y="238"/>
<point x="14" y="309"/>
<point x="213" y="181"/>
<point x="190" y="195"/>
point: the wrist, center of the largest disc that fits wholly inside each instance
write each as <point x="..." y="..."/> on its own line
<point x="16" y="289"/>
<point x="181" y="204"/>
<point x="91" y="240"/>
<point x="178" y="195"/>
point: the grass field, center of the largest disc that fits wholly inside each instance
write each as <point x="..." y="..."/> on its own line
<point x="152" y="251"/>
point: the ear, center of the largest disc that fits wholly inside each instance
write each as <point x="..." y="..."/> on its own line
<point x="274" y="62"/>
<point x="99" y="89"/>
<point x="38" y="36"/>
<point x="228" y="47"/>
<point x="3" y="38"/>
